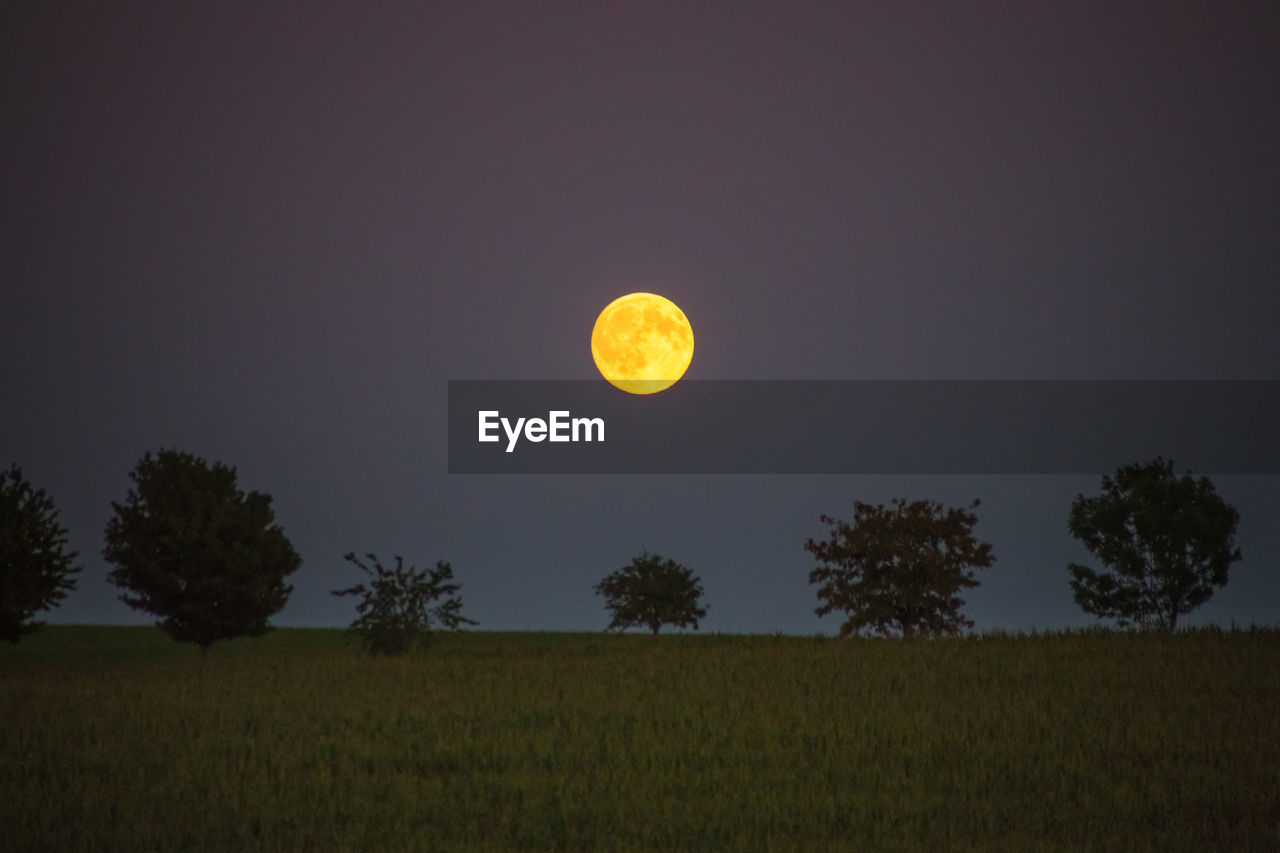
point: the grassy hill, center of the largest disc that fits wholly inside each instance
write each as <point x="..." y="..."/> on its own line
<point x="118" y="738"/>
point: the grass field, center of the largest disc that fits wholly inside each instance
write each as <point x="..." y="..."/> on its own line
<point x="117" y="738"/>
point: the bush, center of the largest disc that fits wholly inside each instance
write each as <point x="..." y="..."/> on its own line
<point x="395" y="606"/>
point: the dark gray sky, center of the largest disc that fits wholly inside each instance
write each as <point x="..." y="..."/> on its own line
<point x="268" y="234"/>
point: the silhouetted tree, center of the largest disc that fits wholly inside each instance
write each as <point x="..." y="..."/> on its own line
<point x="1168" y="541"/>
<point x="395" y="607"/>
<point x="35" y="567"/>
<point x="194" y="550"/>
<point x="898" y="568"/>
<point x="652" y="591"/>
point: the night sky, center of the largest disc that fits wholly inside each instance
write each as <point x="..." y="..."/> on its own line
<point x="269" y="234"/>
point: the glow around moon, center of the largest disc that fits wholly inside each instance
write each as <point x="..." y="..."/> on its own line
<point x="642" y="343"/>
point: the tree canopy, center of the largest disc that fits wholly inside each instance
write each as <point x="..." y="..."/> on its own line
<point x="652" y="591"/>
<point x="1167" y="540"/>
<point x="193" y="549"/>
<point x="899" y="568"/>
<point x="396" y="608"/>
<point x="35" y="565"/>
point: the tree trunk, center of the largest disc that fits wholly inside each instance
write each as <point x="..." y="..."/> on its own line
<point x="655" y="626"/>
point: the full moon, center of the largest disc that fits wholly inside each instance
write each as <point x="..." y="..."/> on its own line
<point x="642" y="343"/>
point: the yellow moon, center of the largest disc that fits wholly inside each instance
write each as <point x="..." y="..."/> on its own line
<point x="642" y="343"/>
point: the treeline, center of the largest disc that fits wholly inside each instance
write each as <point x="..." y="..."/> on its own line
<point x="207" y="559"/>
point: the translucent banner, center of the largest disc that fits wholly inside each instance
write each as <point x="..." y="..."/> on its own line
<point x="862" y="427"/>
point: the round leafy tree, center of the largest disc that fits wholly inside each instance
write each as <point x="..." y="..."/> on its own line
<point x="1167" y="540"/>
<point x="395" y="606"/>
<point x="898" y="568"/>
<point x="35" y="566"/>
<point x="193" y="549"/>
<point x="651" y="592"/>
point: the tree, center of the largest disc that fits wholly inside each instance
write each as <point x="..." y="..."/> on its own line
<point x="35" y="567"/>
<point x="1169" y="541"/>
<point x="652" y="591"/>
<point x="193" y="549"/>
<point x="395" y="608"/>
<point x="898" y="568"/>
